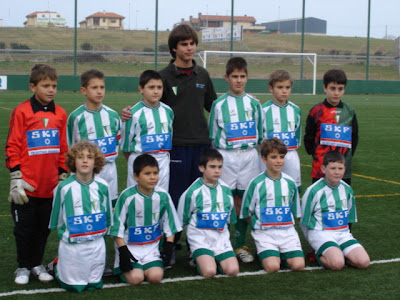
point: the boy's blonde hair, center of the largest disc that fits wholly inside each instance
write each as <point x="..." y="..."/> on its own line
<point x="268" y="146"/>
<point x="42" y="71"/>
<point x="75" y="149"/>
<point x="279" y="75"/>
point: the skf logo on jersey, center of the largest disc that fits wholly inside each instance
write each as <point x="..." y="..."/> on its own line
<point x="241" y="132"/>
<point x="43" y="141"/>
<point x="335" y="135"/>
<point x="276" y="216"/>
<point x="87" y="227"/>
<point x="212" y="220"/>
<point x="141" y="235"/>
<point x="288" y="138"/>
<point x="335" y="220"/>
<point x="156" y="142"/>
<point x="45" y="122"/>
<point x="200" y="86"/>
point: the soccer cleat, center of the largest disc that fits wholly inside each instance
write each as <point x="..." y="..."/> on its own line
<point x="244" y="255"/>
<point x="22" y="276"/>
<point x="41" y="273"/>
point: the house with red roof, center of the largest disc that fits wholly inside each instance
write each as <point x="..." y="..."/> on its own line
<point x="103" y="20"/>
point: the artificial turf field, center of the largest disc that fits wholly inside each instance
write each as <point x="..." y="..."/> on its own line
<point x="376" y="182"/>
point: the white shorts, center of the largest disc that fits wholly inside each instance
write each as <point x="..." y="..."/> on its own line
<point x="163" y="165"/>
<point x="216" y="241"/>
<point x="281" y="240"/>
<point x="322" y="240"/>
<point x="291" y="166"/>
<point x="82" y="263"/>
<point x="143" y="253"/>
<point x="240" y="166"/>
<point x="110" y="175"/>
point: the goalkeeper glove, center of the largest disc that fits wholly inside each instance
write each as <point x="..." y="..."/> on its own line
<point x="18" y="187"/>
<point x="125" y="258"/>
<point x="166" y="253"/>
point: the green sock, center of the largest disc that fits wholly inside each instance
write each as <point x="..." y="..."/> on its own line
<point x="240" y="233"/>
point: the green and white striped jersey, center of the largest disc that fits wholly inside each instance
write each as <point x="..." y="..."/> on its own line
<point x="81" y="211"/>
<point x="283" y="122"/>
<point x="235" y="122"/>
<point x="202" y="198"/>
<point x="102" y="126"/>
<point x="149" y="129"/>
<point x="271" y="203"/>
<point x="328" y="208"/>
<point x="135" y="210"/>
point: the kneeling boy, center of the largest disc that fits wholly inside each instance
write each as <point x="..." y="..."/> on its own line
<point x="142" y="214"/>
<point x="205" y="208"/>
<point x="79" y="201"/>
<point x="328" y="206"/>
<point x="272" y="202"/>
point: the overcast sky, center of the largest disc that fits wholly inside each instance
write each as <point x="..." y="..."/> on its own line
<point x="344" y="17"/>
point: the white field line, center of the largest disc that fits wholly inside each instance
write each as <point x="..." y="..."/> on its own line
<point x="168" y="280"/>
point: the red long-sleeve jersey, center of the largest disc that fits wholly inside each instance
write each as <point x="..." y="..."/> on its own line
<point x="37" y="144"/>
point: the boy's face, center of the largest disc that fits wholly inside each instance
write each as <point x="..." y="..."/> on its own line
<point x="212" y="171"/>
<point x="84" y="163"/>
<point x="237" y="82"/>
<point x="44" y="91"/>
<point x="152" y="92"/>
<point x="274" y="162"/>
<point x="334" y="172"/>
<point x="147" y="179"/>
<point x="334" y="92"/>
<point x="281" y="91"/>
<point x="94" y="91"/>
<point x="185" y="50"/>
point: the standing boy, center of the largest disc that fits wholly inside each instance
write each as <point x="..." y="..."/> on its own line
<point x="205" y="209"/>
<point x="272" y="202"/>
<point x="150" y="128"/>
<point x="144" y="213"/>
<point x="235" y="127"/>
<point x="82" y="214"/>
<point x="331" y="125"/>
<point x="97" y="123"/>
<point x="327" y="208"/>
<point x="35" y="151"/>
<point x="282" y="119"/>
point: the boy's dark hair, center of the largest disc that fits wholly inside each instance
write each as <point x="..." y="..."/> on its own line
<point x="268" y="146"/>
<point x="90" y="74"/>
<point x="335" y="75"/>
<point x="75" y="149"/>
<point x="333" y="156"/>
<point x="147" y="75"/>
<point x="181" y="32"/>
<point x="209" y="154"/>
<point x="42" y="71"/>
<point x="236" y="63"/>
<point x="279" y="75"/>
<point x="142" y="161"/>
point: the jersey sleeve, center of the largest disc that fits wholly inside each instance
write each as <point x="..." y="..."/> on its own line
<point x="63" y="141"/>
<point x="185" y="208"/>
<point x="298" y="130"/>
<point x="352" y="205"/>
<point x="120" y="217"/>
<point x="170" y="221"/>
<point x="248" y="207"/>
<point x="258" y="116"/>
<point x="56" y="218"/>
<point x="212" y="122"/>
<point x="210" y="95"/>
<point x="14" y="144"/>
<point x="354" y="134"/>
<point x="296" y="209"/>
<point x="126" y="130"/>
<point x="306" y="208"/>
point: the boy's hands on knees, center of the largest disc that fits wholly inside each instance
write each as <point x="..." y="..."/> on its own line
<point x="126" y="113"/>
<point x="18" y="187"/>
<point x="125" y="258"/>
<point x="166" y="253"/>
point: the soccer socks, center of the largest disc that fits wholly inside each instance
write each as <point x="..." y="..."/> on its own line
<point x="240" y="233"/>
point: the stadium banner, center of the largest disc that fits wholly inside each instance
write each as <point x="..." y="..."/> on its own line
<point x="54" y="18"/>
<point x="221" y="34"/>
<point x="3" y="82"/>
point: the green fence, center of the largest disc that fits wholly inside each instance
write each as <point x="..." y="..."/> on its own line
<point x="130" y="84"/>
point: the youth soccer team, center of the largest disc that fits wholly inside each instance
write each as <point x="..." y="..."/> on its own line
<point x="249" y="176"/>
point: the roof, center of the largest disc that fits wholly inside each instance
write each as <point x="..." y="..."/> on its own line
<point x="34" y="14"/>
<point x="293" y="19"/>
<point x="227" y="18"/>
<point x="105" y="14"/>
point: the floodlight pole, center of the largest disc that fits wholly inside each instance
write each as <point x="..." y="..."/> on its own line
<point x="302" y="39"/>
<point x="232" y="14"/>
<point x="75" y="34"/>
<point x="156" y="39"/>
<point x="368" y="34"/>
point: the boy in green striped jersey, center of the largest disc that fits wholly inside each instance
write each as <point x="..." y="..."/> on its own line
<point x="142" y="215"/>
<point x="328" y="206"/>
<point x="235" y="126"/>
<point x="97" y="123"/>
<point x="272" y="202"/>
<point x="150" y="128"/>
<point x="282" y="119"/>
<point x="82" y="214"/>
<point x="205" y="209"/>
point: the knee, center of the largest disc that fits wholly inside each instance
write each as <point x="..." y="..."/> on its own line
<point x="363" y="263"/>
<point x="272" y="267"/>
<point x="336" y="265"/>
<point x="208" y="272"/>
<point x="155" y="278"/>
<point x="232" y="271"/>
<point x="134" y="280"/>
<point x="298" y="265"/>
